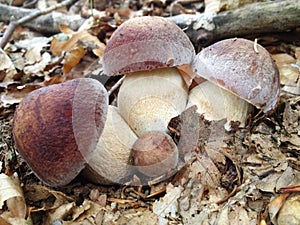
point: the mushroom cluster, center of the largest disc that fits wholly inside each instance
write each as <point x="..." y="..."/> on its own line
<point x="65" y="129"/>
<point x="148" y="50"/>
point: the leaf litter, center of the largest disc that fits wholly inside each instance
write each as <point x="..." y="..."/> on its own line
<point x="246" y="176"/>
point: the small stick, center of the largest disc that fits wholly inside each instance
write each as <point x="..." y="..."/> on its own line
<point x="115" y="86"/>
<point x="14" y="24"/>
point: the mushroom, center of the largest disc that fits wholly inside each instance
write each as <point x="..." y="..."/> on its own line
<point x="239" y="72"/>
<point x="56" y="128"/>
<point x="110" y="162"/>
<point x="148" y="100"/>
<point x="148" y="50"/>
<point x="146" y="43"/>
<point x="155" y="153"/>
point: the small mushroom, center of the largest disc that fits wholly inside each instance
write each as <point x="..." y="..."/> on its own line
<point x="247" y="73"/>
<point x="148" y="50"/>
<point x="155" y="153"/>
<point x="110" y="162"/>
<point x="57" y="127"/>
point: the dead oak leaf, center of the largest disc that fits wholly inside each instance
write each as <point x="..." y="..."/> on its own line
<point x="57" y="47"/>
<point x="72" y="58"/>
<point x="75" y="46"/>
<point x="7" y="68"/>
<point x="12" y="194"/>
<point x="290" y="211"/>
<point x="168" y="205"/>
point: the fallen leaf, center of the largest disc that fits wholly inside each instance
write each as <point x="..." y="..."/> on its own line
<point x="9" y="188"/>
<point x="57" y="47"/>
<point x="37" y="69"/>
<point x="12" y="194"/>
<point x="275" y="205"/>
<point x="289" y="212"/>
<point x="15" y="94"/>
<point x="72" y="58"/>
<point x="168" y="205"/>
<point x="33" y="54"/>
<point x="138" y="217"/>
<point x="288" y="177"/>
<point x="36" y="193"/>
<point x="6" y="67"/>
<point x="289" y="72"/>
<point x="212" y="6"/>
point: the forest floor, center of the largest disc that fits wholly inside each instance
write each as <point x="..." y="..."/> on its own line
<point x="250" y="175"/>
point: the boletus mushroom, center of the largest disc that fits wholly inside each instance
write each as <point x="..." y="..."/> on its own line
<point x="56" y="128"/>
<point x="148" y="51"/>
<point x="110" y="162"/>
<point x="240" y="74"/>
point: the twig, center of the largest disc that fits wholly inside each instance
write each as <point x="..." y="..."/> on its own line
<point x="203" y="29"/>
<point x="36" y="13"/>
<point x="116" y="85"/>
<point x="251" y="19"/>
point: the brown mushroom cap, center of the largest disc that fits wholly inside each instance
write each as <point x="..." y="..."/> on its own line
<point x="145" y="43"/>
<point x="56" y="127"/>
<point x="242" y="67"/>
<point x="154" y="153"/>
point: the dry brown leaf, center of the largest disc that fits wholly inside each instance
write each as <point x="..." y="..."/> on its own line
<point x="275" y="205"/>
<point x="54" y="80"/>
<point x="139" y="216"/>
<point x="12" y="194"/>
<point x="291" y="118"/>
<point x="289" y="177"/>
<point x="291" y="115"/>
<point x="186" y="73"/>
<point x="37" y="69"/>
<point x="33" y="54"/>
<point x="15" y="94"/>
<point x="57" y="47"/>
<point x="66" y="30"/>
<point x="289" y="72"/>
<point x="9" y="188"/>
<point x="60" y="212"/>
<point x="75" y="46"/>
<point x="215" y="143"/>
<point x="238" y="215"/>
<point x="36" y="193"/>
<point x="33" y="41"/>
<point x="70" y="214"/>
<point x="207" y="170"/>
<point x="212" y="6"/>
<point x="189" y="133"/>
<point x="7" y="68"/>
<point x="168" y="205"/>
<point x="72" y="58"/>
<point x="289" y="213"/>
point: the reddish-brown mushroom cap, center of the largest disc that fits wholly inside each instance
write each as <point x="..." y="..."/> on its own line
<point x="154" y="153"/>
<point x="56" y="127"/>
<point x="145" y="43"/>
<point x="242" y="67"/>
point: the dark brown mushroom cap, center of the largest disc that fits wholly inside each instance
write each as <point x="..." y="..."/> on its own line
<point x="242" y="67"/>
<point x="56" y="127"/>
<point x="145" y="43"/>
